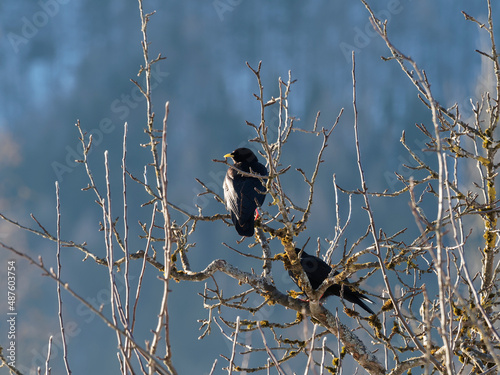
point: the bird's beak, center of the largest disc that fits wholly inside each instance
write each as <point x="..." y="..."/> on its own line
<point x="228" y="155"/>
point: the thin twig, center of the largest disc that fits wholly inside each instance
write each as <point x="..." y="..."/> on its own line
<point x="269" y="352"/>
<point x="143" y="268"/>
<point x="311" y="350"/>
<point x="49" y="349"/>
<point x="233" y="351"/>
<point x="125" y="235"/>
<point x="58" y="286"/>
<point x="213" y="367"/>
<point x="163" y="318"/>
<point x="108" y="240"/>
<point x="322" y="366"/>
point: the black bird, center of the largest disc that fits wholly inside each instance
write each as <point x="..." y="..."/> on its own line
<point x="242" y="194"/>
<point x="317" y="271"/>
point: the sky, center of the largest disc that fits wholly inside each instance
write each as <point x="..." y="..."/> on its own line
<point x="65" y="61"/>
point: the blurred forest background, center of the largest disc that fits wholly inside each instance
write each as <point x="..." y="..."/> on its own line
<point x="64" y="61"/>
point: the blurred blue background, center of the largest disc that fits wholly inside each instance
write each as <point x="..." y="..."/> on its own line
<point x="64" y="61"/>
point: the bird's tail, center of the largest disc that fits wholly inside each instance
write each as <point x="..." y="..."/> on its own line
<point x="362" y="304"/>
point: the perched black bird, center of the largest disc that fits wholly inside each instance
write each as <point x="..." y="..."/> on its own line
<point x="242" y="194"/>
<point x="317" y="271"/>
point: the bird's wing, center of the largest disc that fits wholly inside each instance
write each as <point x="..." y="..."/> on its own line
<point x="258" y="185"/>
<point x="230" y="195"/>
<point x="315" y="268"/>
<point x="240" y="196"/>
